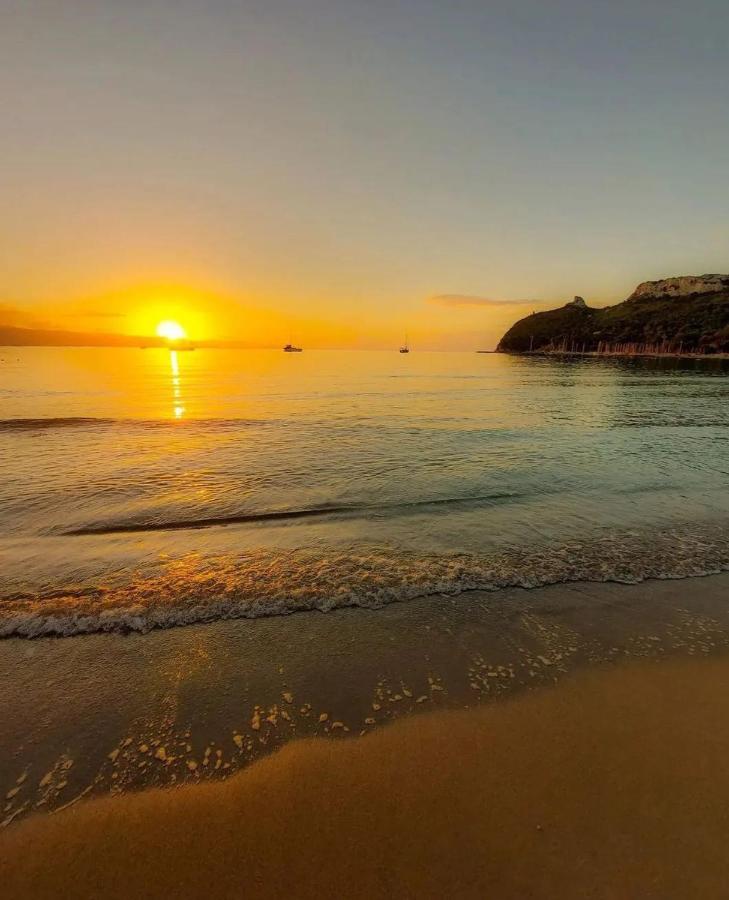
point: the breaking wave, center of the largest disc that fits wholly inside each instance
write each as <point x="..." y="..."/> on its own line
<point x="194" y="588"/>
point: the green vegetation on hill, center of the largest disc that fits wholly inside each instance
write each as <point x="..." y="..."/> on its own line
<point x="649" y="318"/>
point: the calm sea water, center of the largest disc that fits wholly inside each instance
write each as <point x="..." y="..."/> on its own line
<point x="152" y="488"/>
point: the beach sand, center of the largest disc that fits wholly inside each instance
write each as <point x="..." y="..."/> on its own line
<point x="612" y="784"/>
<point x="89" y="716"/>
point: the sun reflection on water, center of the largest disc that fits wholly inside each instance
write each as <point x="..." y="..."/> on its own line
<point x="178" y="409"/>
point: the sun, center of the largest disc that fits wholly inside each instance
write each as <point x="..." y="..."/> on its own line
<point x="171" y="331"/>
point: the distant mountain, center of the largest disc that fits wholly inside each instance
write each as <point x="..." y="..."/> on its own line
<point x="690" y="312"/>
<point x="11" y="336"/>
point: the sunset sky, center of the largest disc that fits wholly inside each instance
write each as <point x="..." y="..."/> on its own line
<point x="344" y="171"/>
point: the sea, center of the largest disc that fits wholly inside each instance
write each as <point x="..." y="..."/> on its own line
<point x="156" y="488"/>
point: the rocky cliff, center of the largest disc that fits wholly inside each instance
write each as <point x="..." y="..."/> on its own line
<point x="690" y="312"/>
<point x="682" y="286"/>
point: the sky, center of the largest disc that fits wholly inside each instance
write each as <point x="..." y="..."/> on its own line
<point x="344" y="172"/>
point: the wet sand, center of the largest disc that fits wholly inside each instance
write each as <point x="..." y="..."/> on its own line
<point x="94" y="715"/>
<point x="612" y="784"/>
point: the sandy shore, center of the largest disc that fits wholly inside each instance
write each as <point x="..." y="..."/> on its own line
<point x="613" y="784"/>
<point x="89" y="716"/>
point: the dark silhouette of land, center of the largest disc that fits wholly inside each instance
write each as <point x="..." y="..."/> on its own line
<point x="676" y="316"/>
<point x="12" y="336"/>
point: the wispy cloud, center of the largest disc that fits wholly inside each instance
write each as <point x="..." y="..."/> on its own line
<point x="471" y="300"/>
<point x="17" y="318"/>
<point x="95" y="315"/>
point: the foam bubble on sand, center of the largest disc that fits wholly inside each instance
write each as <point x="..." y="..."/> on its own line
<point x="194" y="588"/>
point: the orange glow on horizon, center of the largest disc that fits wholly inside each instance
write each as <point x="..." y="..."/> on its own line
<point x="177" y="313"/>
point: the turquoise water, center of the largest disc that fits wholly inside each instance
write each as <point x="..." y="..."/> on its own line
<point x="149" y="488"/>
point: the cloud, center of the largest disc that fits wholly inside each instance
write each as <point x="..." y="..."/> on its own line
<point x="95" y="315"/>
<point x="17" y="318"/>
<point x="470" y="300"/>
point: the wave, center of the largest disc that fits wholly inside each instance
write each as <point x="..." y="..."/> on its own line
<point x="61" y="422"/>
<point x="194" y="589"/>
<point x="212" y="521"/>
<point x="50" y="422"/>
<point x="283" y="514"/>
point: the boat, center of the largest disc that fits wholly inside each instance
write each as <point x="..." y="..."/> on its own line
<point x="405" y="348"/>
<point x="289" y="348"/>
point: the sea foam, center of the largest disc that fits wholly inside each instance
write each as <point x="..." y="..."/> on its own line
<point x="194" y="588"/>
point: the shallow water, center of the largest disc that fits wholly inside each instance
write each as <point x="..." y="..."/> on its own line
<point x="150" y="488"/>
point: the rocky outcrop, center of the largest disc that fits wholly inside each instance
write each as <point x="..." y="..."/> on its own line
<point x="682" y="286"/>
<point x="690" y="312"/>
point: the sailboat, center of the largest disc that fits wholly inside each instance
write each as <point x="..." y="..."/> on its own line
<point x="405" y="348"/>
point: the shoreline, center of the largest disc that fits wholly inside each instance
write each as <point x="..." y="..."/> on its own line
<point x="626" y="354"/>
<point x="271" y="582"/>
<point x="110" y="713"/>
<point x="612" y="783"/>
